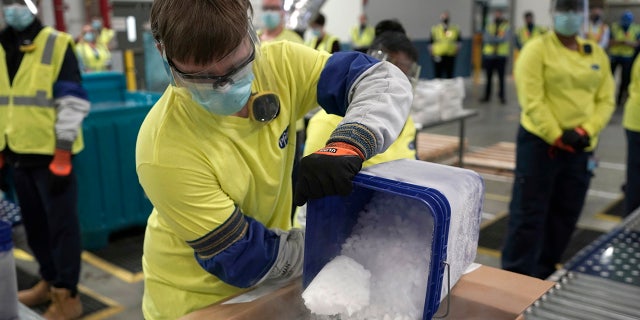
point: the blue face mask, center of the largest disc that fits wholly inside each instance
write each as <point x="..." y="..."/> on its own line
<point x="316" y="32"/>
<point x="271" y="19"/>
<point x="89" y="37"/>
<point x="228" y="102"/>
<point x="96" y="25"/>
<point x="18" y="16"/>
<point x="567" y="23"/>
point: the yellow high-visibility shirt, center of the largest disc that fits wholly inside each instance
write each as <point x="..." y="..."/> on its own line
<point x="362" y="38"/>
<point x="322" y="124"/>
<point x="445" y="43"/>
<point x="562" y="89"/>
<point x="631" y="118"/>
<point x="286" y="34"/>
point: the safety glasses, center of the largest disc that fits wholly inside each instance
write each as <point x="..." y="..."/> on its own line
<point x="237" y="71"/>
<point x="410" y="68"/>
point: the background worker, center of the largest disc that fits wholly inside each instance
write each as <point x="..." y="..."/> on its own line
<point x="598" y="30"/>
<point x="362" y="35"/>
<point x="215" y="154"/>
<point x="622" y="49"/>
<point x="273" y="18"/>
<point x="444" y="45"/>
<point x="396" y="48"/>
<point x="495" y="51"/>
<point x="631" y="124"/>
<point x="565" y="90"/>
<point x="42" y="106"/>
<point x="529" y="31"/>
<point x="92" y="55"/>
<point x="320" y="39"/>
<point x="104" y="35"/>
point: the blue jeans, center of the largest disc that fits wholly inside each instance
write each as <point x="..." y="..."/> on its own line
<point x="549" y="191"/>
<point x="52" y="225"/>
<point x="632" y="190"/>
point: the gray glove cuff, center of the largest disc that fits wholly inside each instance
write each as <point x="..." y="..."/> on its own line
<point x="288" y="264"/>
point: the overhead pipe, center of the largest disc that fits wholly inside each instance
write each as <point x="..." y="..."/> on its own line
<point x="300" y="12"/>
<point x="58" y="11"/>
<point x="105" y="13"/>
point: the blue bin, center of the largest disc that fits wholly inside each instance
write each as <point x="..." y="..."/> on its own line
<point x="110" y="197"/>
<point x="108" y="86"/>
<point x="330" y="221"/>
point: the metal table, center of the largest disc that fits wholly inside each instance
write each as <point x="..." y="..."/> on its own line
<point x="460" y="117"/>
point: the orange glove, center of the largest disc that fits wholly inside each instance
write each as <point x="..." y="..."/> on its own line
<point x="1" y="160"/>
<point x="60" y="168"/>
<point x="561" y="145"/>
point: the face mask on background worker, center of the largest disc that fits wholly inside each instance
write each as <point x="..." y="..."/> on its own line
<point x="271" y="19"/>
<point x="568" y="16"/>
<point x="19" y="14"/>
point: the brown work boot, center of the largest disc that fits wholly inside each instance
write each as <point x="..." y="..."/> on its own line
<point x="63" y="305"/>
<point x="36" y="295"/>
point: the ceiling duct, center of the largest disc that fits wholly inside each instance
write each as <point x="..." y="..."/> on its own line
<point x="300" y="12"/>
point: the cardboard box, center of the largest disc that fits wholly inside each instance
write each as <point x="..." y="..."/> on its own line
<point x="485" y="293"/>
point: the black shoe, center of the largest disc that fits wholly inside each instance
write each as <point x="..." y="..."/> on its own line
<point x="503" y="101"/>
<point x="484" y="100"/>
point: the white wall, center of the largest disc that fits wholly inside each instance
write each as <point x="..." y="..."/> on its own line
<point x="540" y="9"/>
<point x="417" y="16"/>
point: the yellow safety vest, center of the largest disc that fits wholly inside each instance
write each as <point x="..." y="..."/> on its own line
<point x="325" y="45"/>
<point x="445" y="43"/>
<point x="93" y="59"/>
<point x="501" y="49"/>
<point x="525" y="35"/>
<point x="623" y="50"/>
<point x="27" y="110"/>
<point x="105" y="36"/>
<point x="362" y="39"/>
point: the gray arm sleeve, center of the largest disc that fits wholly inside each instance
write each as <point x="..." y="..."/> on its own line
<point x="379" y="99"/>
<point x="70" y="111"/>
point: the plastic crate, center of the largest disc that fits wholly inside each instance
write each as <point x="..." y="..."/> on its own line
<point x="110" y="197"/>
<point x="331" y="219"/>
<point x="108" y="86"/>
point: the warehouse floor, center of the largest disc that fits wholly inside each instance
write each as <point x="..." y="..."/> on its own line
<point x="112" y="289"/>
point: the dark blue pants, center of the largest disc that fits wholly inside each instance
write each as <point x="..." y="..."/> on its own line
<point x="632" y="190"/>
<point x="498" y="65"/>
<point x="625" y="64"/>
<point x="51" y="222"/>
<point x="549" y="191"/>
<point x="444" y="68"/>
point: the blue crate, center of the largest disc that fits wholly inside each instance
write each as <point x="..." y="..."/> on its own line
<point x="331" y="219"/>
<point x="110" y="197"/>
<point x="108" y="86"/>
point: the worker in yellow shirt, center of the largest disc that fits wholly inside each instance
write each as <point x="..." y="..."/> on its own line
<point x="565" y="90"/>
<point x="320" y="39"/>
<point x="396" y="48"/>
<point x="362" y="35"/>
<point x="529" y="31"/>
<point x="273" y="19"/>
<point x="444" y="45"/>
<point x="631" y="124"/>
<point x="624" y="41"/>
<point x="215" y="153"/>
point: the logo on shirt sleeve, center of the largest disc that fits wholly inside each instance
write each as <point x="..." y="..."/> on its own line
<point x="284" y="139"/>
<point x="595" y="67"/>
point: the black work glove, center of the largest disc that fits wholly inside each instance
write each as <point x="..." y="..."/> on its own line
<point x="577" y="138"/>
<point x="60" y="171"/>
<point x="327" y="172"/>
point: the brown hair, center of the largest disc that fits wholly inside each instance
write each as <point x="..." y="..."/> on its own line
<point x="200" y="31"/>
